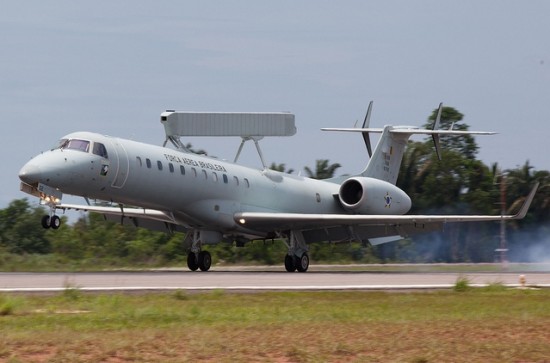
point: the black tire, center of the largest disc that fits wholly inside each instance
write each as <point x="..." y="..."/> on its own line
<point x="192" y="262"/>
<point x="302" y="263"/>
<point x="46" y="222"/>
<point x="205" y="260"/>
<point x="290" y="266"/>
<point x="55" y="222"/>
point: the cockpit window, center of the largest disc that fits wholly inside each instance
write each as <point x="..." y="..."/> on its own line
<point x="99" y="149"/>
<point x="75" y="144"/>
<point x="62" y="144"/>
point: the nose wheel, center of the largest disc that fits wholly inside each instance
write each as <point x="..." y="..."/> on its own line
<point x="53" y="222"/>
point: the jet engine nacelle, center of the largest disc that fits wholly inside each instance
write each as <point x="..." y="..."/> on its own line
<point x="363" y="195"/>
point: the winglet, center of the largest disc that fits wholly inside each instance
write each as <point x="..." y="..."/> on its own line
<point x="435" y="127"/>
<point x="366" y="136"/>
<point x="527" y="203"/>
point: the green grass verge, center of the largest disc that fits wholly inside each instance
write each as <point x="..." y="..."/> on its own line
<point x="492" y="324"/>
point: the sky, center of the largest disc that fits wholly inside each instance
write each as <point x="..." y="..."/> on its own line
<point x="113" y="67"/>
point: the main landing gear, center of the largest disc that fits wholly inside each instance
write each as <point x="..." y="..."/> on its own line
<point x="201" y="260"/>
<point x="297" y="258"/>
<point x="295" y="263"/>
<point x="196" y="258"/>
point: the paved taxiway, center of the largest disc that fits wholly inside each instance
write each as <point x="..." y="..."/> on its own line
<point x="228" y="279"/>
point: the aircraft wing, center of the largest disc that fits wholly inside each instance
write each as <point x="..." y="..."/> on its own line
<point x="365" y="226"/>
<point x="153" y="219"/>
<point x="122" y="212"/>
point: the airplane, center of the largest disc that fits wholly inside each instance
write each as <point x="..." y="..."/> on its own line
<point x="215" y="201"/>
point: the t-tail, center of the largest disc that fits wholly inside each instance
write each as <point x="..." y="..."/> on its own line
<point x="386" y="159"/>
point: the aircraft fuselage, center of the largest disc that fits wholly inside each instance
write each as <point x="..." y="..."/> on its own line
<point x="200" y="191"/>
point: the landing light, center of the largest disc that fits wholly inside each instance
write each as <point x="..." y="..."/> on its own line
<point x="49" y="199"/>
<point x="242" y="221"/>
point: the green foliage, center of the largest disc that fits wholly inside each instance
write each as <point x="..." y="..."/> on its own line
<point x="323" y="170"/>
<point x="337" y="326"/>
<point x="462" y="284"/>
<point x="20" y="229"/>
<point x="281" y="168"/>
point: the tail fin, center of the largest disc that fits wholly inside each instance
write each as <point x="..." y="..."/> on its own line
<point x="386" y="160"/>
<point x="388" y="154"/>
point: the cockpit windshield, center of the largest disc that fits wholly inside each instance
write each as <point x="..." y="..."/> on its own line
<point x="83" y="145"/>
<point x="74" y="144"/>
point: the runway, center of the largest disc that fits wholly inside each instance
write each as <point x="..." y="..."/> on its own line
<point x="257" y="280"/>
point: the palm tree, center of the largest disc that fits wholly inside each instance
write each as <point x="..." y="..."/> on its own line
<point x="281" y="168"/>
<point x="323" y="170"/>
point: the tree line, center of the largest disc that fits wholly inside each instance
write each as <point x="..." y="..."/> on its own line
<point x="458" y="184"/>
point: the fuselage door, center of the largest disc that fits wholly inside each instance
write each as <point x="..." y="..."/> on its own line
<point x="122" y="164"/>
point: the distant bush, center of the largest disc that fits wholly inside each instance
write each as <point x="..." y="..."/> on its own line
<point x="462" y="284"/>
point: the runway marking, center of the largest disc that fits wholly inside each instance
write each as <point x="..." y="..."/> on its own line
<point x="259" y="288"/>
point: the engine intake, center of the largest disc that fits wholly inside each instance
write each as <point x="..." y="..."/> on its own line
<point x="364" y="195"/>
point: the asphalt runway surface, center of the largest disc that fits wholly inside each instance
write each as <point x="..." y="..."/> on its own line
<point x="258" y="279"/>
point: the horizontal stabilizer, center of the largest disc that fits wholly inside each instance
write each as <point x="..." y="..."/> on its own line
<point x="411" y="131"/>
<point x="381" y="240"/>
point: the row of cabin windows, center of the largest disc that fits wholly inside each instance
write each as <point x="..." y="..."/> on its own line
<point x="172" y="169"/>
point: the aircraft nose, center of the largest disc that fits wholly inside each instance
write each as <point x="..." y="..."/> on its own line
<point x="30" y="173"/>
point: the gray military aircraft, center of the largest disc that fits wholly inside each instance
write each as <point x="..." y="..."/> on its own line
<point x="212" y="200"/>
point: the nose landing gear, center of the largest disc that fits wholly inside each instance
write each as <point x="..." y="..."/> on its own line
<point x="53" y="221"/>
<point x="49" y="197"/>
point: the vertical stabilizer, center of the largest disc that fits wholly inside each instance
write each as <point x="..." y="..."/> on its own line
<point x="386" y="159"/>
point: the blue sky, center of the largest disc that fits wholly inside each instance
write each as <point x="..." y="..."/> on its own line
<point x="113" y="67"/>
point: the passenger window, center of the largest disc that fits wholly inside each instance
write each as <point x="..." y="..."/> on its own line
<point x="99" y="149"/>
<point x="148" y="163"/>
<point x="246" y="183"/>
<point x="159" y="164"/>
<point x="204" y="174"/>
<point x="182" y="170"/>
<point x="171" y="167"/>
<point x="138" y="159"/>
<point x="214" y="177"/>
<point x="194" y="172"/>
<point x="236" y="180"/>
<point x="225" y="180"/>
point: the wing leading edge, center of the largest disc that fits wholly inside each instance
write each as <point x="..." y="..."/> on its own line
<point x="122" y="211"/>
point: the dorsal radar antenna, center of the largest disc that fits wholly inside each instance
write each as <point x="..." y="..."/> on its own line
<point x="246" y="125"/>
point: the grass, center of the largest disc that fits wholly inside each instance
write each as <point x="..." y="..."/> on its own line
<point x="492" y="324"/>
